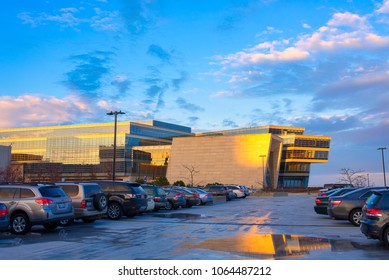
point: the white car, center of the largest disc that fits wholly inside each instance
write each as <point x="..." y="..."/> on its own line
<point x="150" y="204"/>
<point x="238" y="191"/>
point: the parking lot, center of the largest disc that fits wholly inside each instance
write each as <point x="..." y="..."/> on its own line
<point x="257" y="227"/>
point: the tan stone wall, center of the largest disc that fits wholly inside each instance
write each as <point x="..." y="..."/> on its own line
<point x="233" y="159"/>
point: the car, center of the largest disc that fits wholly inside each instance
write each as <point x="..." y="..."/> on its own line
<point x="4" y="217"/>
<point x="328" y="187"/>
<point x="321" y="202"/>
<point x="175" y="198"/>
<point x="30" y="205"/>
<point x="220" y="190"/>
<point x="205" y="197"/>
<point x="375" y="216"/>
<point x="124" y="198"/>
<point x="88" y="199"/>
<point x="192" y="198"/>
<point x="245" y="189"/>
<point x="238" y="191"/>
<point x="349" y="206"/>
<point x="158" y="195"/>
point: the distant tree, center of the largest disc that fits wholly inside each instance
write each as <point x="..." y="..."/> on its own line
<point x="179" y="183"/>
<point x="139" y="180"/>
<point x="12" y="173"/>
<point x="354" y="177"/>
<point x="161" y="181"/>
<point x="192" y="173"/>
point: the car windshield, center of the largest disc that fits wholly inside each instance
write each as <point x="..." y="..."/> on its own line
<point x="52" y="192"/>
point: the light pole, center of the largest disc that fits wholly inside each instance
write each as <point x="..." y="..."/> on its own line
<point x="114" y="113"/>
<point x="263" y="170"/>
<point x="383" y="163"/>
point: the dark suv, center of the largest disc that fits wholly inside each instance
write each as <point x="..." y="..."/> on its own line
<point x="124" y="198"/>
<point x="375" y="216"/>
<point x="88" y="199"/>
<point x="35" y="205"/>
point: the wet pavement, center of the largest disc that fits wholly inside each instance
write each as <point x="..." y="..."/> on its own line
<point x="253" y="228"/>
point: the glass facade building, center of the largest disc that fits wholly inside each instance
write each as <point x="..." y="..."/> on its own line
<point x="85" y="151"/>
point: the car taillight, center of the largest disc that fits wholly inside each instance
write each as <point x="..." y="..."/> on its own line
<point x="374" y="212"/>
<point x="323" y="194"/>
<point x="83" y="203"/>
<point x="195" y="195"/>
<point x="43" y="201"/>
<point x="3" y="211"/>
<point x="178" y="194"/>
<point x="157" y="198"/>
<point x="240" y="190"/>
<point x="336" y="202"/>
<point x="317" y="201"/>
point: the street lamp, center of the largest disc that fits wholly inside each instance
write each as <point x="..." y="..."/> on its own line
<point x="383" y="162"/>
<point x="114" y="113"/>
<point x="263" y="170"/>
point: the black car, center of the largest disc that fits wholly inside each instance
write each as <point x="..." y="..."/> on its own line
<point x="349" y="206"/>
<point x="124" y="198"/>
<point x="375" y="216"/>
<point x="220" y="190"/>
<point x="321" y="202"/>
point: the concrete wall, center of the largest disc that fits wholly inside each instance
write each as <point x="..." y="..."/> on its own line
<point x="232" y="159"/>
<point x="5" y="157"/>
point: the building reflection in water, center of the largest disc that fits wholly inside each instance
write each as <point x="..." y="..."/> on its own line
<point x="265" y="246"/>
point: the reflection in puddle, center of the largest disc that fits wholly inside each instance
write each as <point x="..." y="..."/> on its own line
<point x="265" y="246"/>
<point x="11" y="242"/>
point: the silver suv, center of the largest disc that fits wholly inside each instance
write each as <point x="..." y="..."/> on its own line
<point x="35" y="205"/>
<point x="89" y="201"/>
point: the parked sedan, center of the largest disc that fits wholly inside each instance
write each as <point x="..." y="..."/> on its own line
<point x="349" y="206"/>
<point x="321" y="202"/>
<point x="205" y="197"/>
<point x="175" y="198"/>
<point x="192" y="198"/>
<point x="375" y="216"/>
<point x="4" y="217"/>
<point x="238" y="191"/>
<point x="220" y="190"/>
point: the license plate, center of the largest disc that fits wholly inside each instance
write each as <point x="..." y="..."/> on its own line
<point x="61" y="206"/>
<point x="89" y="204"/>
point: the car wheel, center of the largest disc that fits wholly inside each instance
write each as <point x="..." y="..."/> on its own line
<point x="114" y="211"/>
<point x="88" y="221"/>
<point x="66" y="223"/>
<point x="51" y="226"/>
<point x="100" y="201"/>
<point x="20" y="224"/>
<point x="169" y="205"/>
<point x="355" y="217"/>
<point x="385" y="236"/>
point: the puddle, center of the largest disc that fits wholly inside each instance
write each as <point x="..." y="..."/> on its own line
<point x="185" y="216"/>
<point x="277" y="246"/>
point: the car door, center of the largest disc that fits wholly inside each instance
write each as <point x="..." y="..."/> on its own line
<point x="10" y="197"/>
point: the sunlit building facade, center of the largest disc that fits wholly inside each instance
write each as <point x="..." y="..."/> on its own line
<point x="281" y="159"/>
<point x="85" y="151"/>
<point x="266" y="156"/>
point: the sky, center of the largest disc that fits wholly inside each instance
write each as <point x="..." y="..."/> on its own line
<point x="209" y="65"/>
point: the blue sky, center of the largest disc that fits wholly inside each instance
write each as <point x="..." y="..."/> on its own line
<point x="210" y="65"/>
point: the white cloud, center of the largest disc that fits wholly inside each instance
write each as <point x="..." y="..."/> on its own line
<point x="384" y="8"/>
<point x="35" y="110"/>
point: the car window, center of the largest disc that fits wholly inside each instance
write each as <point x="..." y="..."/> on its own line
<point x="91" y="189"/>
<point x="161" y="192"/>
<point x="70" y="190"/>
<point x="137" y="190"/>
<point x="148" y="190"/>
<point x="366" y="195"/>
<point x="7" y="193"/>
<point x="122" y="188"/>
<point x="52" y="192"/>
<point x="26" y="193"/>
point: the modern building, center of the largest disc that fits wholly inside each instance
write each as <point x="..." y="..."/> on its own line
<point x="85" y="151"/>
<point x="5" y="160"/>
<point x="266" y="156"/>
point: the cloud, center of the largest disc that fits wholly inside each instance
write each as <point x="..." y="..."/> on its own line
<point x="37" y="110"/>
<point x="159" y="52"/>
<point x="176" y="83"/>
<point x="122" y="82"/>
<point x="137" y="15"/>
<point x="87" y="76"/>
<point x="229" y="123"/>
<point x="182" y="103"/>
<point x="65" y="17"/>
<point x="384" y="8"/>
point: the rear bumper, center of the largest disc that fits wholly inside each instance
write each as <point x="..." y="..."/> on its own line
<point x="320" y="210"/>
